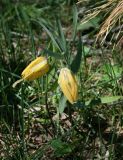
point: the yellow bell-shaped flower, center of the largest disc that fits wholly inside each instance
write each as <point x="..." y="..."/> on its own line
<point x="36" y="69"/>
<point x="68" y="85"/>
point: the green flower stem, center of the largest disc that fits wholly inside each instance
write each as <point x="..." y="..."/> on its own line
<point x="70" y="113"/>
<point x="47" y="107"/>
<point x="22" y="122"/>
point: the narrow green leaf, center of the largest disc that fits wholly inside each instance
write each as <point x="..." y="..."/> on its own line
<point x="94" y="22"/>
<point x="45" y="27"/>
<point x="62" y="104"/>
<point x="77" y="60"/>
<point x="107" y="99"/>
<point x="75" y="19"/>
<point x="111" y="99"/>
<point x="53" y="54"/>
<point x="62" y="37"/>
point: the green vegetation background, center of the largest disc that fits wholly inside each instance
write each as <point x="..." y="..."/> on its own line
<point x="36" y="121"/>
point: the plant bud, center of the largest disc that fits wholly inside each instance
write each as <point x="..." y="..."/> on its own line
<point x="68" y="85"/>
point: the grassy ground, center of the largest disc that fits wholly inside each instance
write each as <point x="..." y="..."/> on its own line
<point x="36" y="120"/>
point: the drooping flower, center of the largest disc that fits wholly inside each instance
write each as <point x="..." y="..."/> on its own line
<point x="36" y="69"/>
<point x="68" y="85"/>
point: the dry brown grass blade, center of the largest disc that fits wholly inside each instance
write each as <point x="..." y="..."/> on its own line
<point x="95" y="11"/>
<point x="111" y="21"/>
